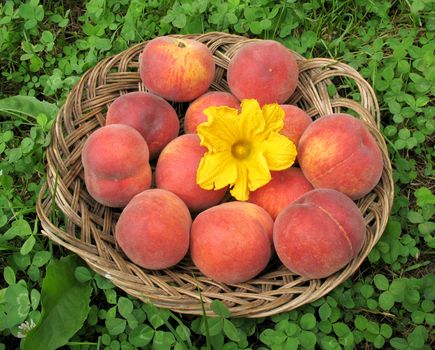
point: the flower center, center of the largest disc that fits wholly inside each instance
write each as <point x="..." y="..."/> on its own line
<point x="241" y="149"/>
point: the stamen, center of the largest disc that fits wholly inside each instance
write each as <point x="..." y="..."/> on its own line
<point x="241" y="149"/>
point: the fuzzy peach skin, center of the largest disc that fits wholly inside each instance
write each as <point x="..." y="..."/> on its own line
<point x="149" y="114"/>
<point x="264" y="70"/>
<point x="256" y="212"/>
<point x="285" y="187"/>
<point x="153" y="230"/>
<point x="176" y="172"/>
<point x="228" y="244"/>
<point x="115" y="161"/>
<point x="337" y="151"/>
<point x="296" y="120"/>
<point x="195" y="115"/>
<point x="178" y="70"/>
<point x="319" y="233"/>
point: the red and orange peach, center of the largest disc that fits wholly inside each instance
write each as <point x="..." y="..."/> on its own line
<point x="285" y="187"/>
<point x="229" y="244"/>
<point x="319" y="233"/>
<point x="176" y="172"/>
<point x="195" y="113"/>
<point x="265" y="70"/>
<point x="176" y="69"/>
<point x="153" y="230"/>
<point x="296" y="120"/>
<point x="337" y="151"/>
<point x="149" y="114"/>
<point x="115" y="161"/>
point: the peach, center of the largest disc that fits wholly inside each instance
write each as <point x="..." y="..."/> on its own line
<point x="153" y="230"/>
<point x="228" y="244"/>
<point x="285" y="187"/>
<point x="194" y="114"/>
<point x="176" y="69"/>
<point x="337" y="151"/>
<point x="149" y="114"/>
<point x="296" y="120"/>
<point x="319" y="233"/>
<point x="265" y="70"/>
<point x="176" y="172"/>
<point x="115" y="162"/>
<point x="256" y="212"/>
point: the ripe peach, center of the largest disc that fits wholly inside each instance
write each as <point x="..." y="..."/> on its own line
<point x="255" y="211"/>
<point x="149" y="114"/>
<point x="177" y="69"/>
<point x="337" y="151"/>
<point x="285" y="187"/>
<point x="265" y="70"/>
<point x="153" y="230"/>
<point x="228" y="244"/>
<point x="319" y="233"/>
<point x="176" y="172"/>
<point x="194" y="114"/>
<point x="295" y="122"/>
<point x="115" y="162"/>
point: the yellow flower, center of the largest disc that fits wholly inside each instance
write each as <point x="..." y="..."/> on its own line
<point x="243" y="148"/>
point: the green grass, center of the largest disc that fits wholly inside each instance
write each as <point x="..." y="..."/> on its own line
<point x="45" y="48"/>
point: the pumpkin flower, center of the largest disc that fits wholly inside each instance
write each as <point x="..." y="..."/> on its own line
<point x="243" y="147"/>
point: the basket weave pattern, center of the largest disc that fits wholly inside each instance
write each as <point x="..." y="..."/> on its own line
<point x="87" y="228"/>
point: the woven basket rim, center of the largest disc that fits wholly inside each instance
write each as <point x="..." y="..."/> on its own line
<point x="87" y="227"/>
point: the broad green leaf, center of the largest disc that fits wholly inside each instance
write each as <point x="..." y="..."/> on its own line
<point x="386" y="330"/>
<point x="271" y="337"/>
<point x="386" y="300"/>
<point x="399" y="343"/>
<point x="82" y="274"/>
<point x="27" y="246"/>
<point x="307" y="339"/>
<point x="424" y="196"/>
<point x="141" y="335"/>
<point x="163" y="340"/>
<point x="231" y="331"/>
<point x="125" y="307"/>
<point x="418" y="337"/>
<point x="220" y="309"/>
<point x="366" y="290"/>
<point x="19" y="228"/>
<point x="415" y="217"/>
<point x="308" y="321"/>
<point x="324" y="311"/>
<point x="27" y="105"/>
<point x="381" y="282"/>
<point x="379" y="341"/>
<point x="361" y="322"/>
<point x="16" y="306"/>
<point x="115" y="326"/>
<point x="183" y="332"/>
<point x="65" y="306"/>
<point x="215" y="325"/>
<point x="41" y="258"/>
<point x="9" y="275"/>
<point x="156" y="316"/>
<point x="341" y="329"/>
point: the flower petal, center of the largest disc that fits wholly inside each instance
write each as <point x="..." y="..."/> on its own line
<point x="215" y="171"/>
<point x="273" y="117"/>
<point x="240" y="189"/>
<point x="258" y="171"/>
<point x="251" y="120"/>
<point x="279" y="151"/>
<point x="221" y="129"/>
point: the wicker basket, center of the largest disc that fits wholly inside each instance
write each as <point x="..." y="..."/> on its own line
<point x="86" y="227"/>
